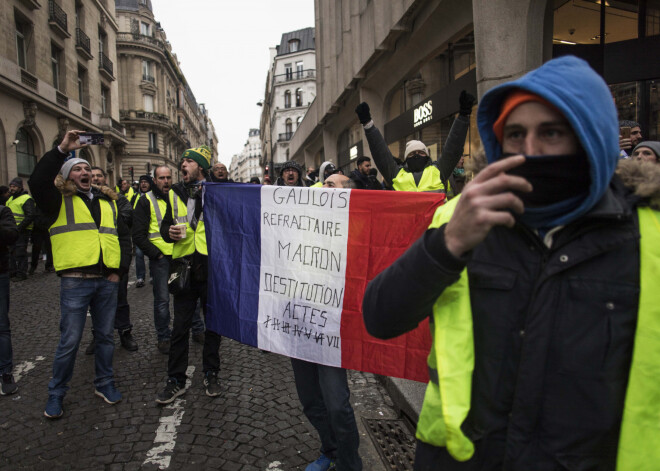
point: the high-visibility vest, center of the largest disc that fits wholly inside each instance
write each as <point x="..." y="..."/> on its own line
<point x="451" y="362"/>
<point x="76" y="240"/>
<point x="195" y="240"/>
<point x="16" y="206"/>
<point x="430" y="181"/>
<point x="129" y="194"/>
<point x="317" y="185"/>
<point x="157" y="208"/>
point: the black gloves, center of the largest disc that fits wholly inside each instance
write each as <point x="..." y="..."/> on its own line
<point x="466" y="102"/>
<point x="363" y="113"/>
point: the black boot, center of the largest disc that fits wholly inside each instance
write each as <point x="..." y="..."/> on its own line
<point x="127" y="341"/>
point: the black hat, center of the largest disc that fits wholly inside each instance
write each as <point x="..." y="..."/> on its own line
<point x="146" y="178"/>
<point x="17" y="182"/>
<point x="291" y="164"/>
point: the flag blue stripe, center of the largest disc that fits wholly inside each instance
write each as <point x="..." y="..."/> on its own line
<point x="233" y="235"/>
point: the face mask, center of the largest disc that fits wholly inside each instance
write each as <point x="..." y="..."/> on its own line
<point x="555" y="178"/>
<point x="459" y="172"/>
<point x="416" y="163"/>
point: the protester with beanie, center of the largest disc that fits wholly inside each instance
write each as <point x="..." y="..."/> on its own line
<point x="648" y="151"/>
<point x="541" y="280"/>
<point x="144" y="186"/>
<point x="290" y="175"/>
<point x="418" y="172"/>
<point x="8" y="235"/>
<point x="91" y="250"/>
<point x="22" y="206"/>
<point x="183" y="225"/>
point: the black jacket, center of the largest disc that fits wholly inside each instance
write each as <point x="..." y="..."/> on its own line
<point x="199" y="261"/>
<point x="553" y="334"/>
<point x="141" y="221"/>
<point x="365" y="182"/>
<point x="49" y="198"/>
<point x="451" y="152"/>
<point x="28" y="211"/>
<point x="8" y="235"/>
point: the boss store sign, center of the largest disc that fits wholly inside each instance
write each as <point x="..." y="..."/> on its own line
<point x="431" y="109"/>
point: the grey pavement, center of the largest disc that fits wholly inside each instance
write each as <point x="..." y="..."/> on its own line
<point x="256" y="424"/>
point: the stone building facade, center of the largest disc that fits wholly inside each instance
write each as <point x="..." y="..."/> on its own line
<point x="58" y="71"/>
<point x="290" y="90"/>
<point x="157" y="107"/>
<point x="247" y="164"/>
<point x="406" y="56"/>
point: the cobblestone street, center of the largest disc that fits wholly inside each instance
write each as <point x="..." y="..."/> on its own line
<point x="256" y="424"/>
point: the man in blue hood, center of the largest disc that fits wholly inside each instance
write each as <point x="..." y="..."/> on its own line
<point x="532" y="282"/>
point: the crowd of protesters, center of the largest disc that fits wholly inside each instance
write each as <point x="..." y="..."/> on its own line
<point x="531" y="277"/>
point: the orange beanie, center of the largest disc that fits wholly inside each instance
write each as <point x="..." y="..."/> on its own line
<point x="510" y="103"/>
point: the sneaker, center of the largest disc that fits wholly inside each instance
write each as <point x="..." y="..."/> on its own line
<point x="139" y="283"/>
<point x="211" y="384"/>
<point x="127" y="341"/>
<point x="8" y="385"/>
<point x="91" y="348"/>
<point x="54" y="407"/>
<point x="173" y="389"/>
<point x="198" y="337"/>
<point x="108" y="393"/>
<point x="164" y="346"/>
<point x="323" y="463"/>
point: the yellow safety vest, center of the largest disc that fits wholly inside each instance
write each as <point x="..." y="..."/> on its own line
<point x="451" y="362"/>
<point x="76" y="240"/>
<point x="430" y="181"/>
<point x="158" y="207"/>
<point x="317" y="185"/>
<point x="16" y="206"/>
<point x="195" y="240"/>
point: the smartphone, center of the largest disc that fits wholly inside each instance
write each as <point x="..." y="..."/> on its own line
<point x="625" y="132"/>
<point x="92" y="138"/>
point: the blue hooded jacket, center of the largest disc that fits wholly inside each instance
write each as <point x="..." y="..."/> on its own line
<point x="585" y="100"/>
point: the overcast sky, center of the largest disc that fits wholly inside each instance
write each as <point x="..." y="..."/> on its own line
<point x="222" y="46"/>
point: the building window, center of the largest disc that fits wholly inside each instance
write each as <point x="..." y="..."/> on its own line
<point x="82" y="86"/>
<point x="153" y="143"/>
<point x="23" y="31"/>
<point x="148" y="101"/>
<point x="101" y="43"/>
<point x="288" y="128"/>
<point x="298" y="121"/>
<point x="294" y="45"/>
<point x="299" y="99"/>
<point x="147" y="71"/>
<point x="105" y="100"/>
<point x="288" y="71"/>
<point x="55" y="60"/>
<point x="299" y="69"/>
<point x="144" y="29"/>
<point x="25" y="155"/>
<point x="287" y="99"/>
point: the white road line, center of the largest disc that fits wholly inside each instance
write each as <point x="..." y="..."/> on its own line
<point x="161" y="453"/>
<point x="23" y="367"/>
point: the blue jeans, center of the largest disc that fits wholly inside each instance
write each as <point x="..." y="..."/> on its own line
<point x="6" y="356"/>
<point x="140" y="268"/>
<point x="160" y="272"/>
<point x="324" y="394"/>
<point x="76" y="294"/>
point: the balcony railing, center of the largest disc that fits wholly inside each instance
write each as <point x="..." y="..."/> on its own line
<point x="105" y="65"/>
<point x="62" y="99"/>
<point x="28" y="79"/>
<point x="83" y="44"/>
<point x="284" y="136"/>
<point x="139" y="114"/>
<point x="57" y="19"/>
<point x="295" y="75"/>
<point x="148" y="78"/>
<point x="141" y="38"/>
<point x="154" y="150"/>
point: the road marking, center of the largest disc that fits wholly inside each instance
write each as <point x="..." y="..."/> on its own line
<point x="161" y="453"/>
<point x="274" y="466"/>
<point x="22" y="368"/>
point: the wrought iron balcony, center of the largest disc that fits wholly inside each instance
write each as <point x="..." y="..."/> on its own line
<point x="284" y="136"/>
<point x="106" y="66"/>
<point x="140" y="38"/>
<point x="154" y="150"/>
<point x="295" y="75"/>
<point x="57" y="19"/>
<point x="148" y="78"/>
<point x="83" y="44"/>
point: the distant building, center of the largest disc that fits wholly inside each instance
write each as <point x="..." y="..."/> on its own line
<point x="58" y="71"/>
<point x="290" y="90"/>
<point x="157" y="107"/>
<point x="247" y="164"/>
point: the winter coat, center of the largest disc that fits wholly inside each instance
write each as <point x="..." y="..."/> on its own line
<point x="141" y="221"/>
<point x="365" y="182"/>
<point x="48" y="187"/>
<point x="28" y="211"/>
<point x="8" y="235"/>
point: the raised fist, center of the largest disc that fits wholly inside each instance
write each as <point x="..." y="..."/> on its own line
<point x="364" y="115"/>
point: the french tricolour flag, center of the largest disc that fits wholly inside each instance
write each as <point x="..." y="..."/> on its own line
<point x="288" y="267"/>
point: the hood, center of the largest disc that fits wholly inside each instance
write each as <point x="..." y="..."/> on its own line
<point x="68" y="188"/>
<point x="584" y="98"/>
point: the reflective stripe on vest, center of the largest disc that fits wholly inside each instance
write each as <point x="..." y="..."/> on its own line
<point x="195" y="240"/>
<point x="16" y="206"/>
<point x="157" y="208"/>
<point x="451" y="362"/>
<point x="430" y="181"/>
<point x="76" y="240"/>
